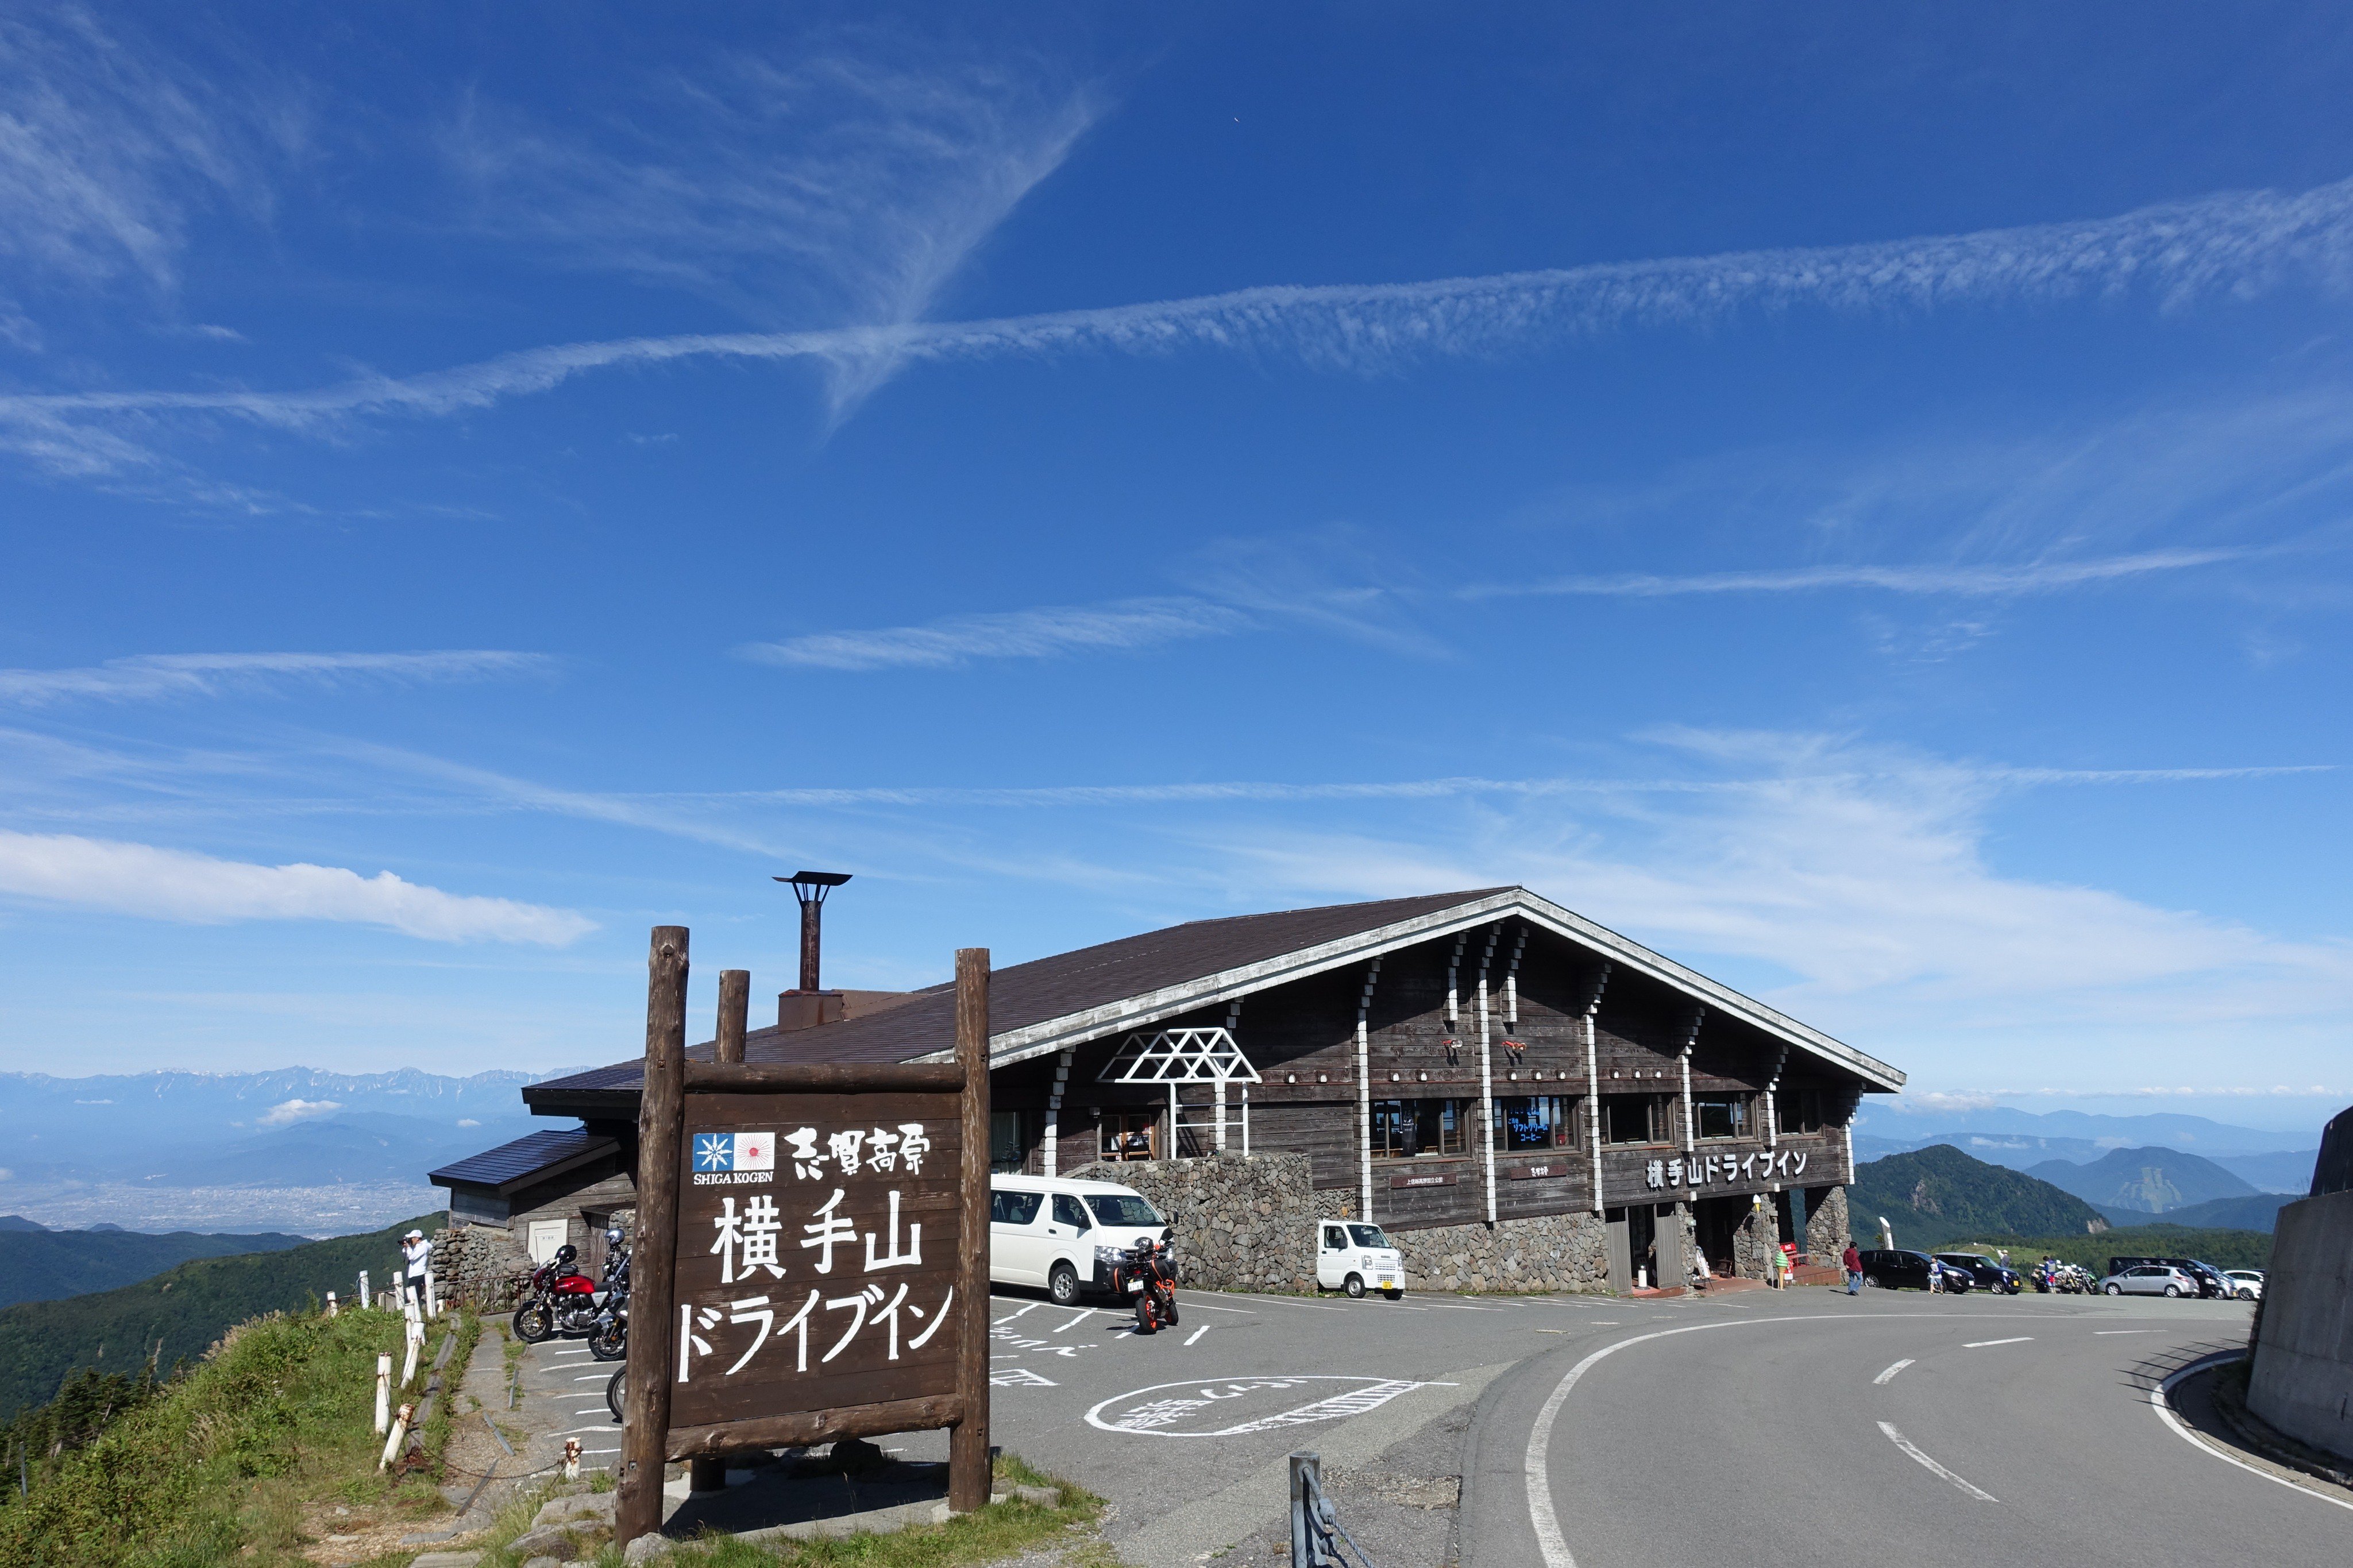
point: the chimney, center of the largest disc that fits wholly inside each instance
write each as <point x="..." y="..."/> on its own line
<point x="810" y="1003"/>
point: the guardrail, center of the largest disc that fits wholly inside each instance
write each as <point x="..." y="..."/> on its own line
<point x="1315" y="1529"/>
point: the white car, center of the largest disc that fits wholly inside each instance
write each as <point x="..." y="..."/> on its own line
<point x="2247" y="1284"/>
<point x="1065" y="1235"/>
<point x="2150" y="1280"/>
<point x="1357" y="1257"/>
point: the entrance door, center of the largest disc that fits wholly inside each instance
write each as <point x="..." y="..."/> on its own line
<point x="1669" y="1246"/>
<point x="1621" y="1252"/>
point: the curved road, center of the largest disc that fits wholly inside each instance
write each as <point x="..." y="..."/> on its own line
<point x="1890" y="1428"/>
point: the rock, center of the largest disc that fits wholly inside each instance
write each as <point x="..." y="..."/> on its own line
<point x="1044" y="1497"/>
<point x="596" y="1506"/>
<point x="646" y="1548"/>
<point x="544" y="1562"/>
<point x="852" y="1455"/>
<point x="553" y="1540"/>
<point x="447" y="1560"/>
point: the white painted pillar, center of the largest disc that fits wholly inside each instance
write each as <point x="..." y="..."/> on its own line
<point x="1690" y="1131"/>
<point x="1054" y="1109"/>
<point x="1487" y="1076"/>
<point x="1364" y="1095"/>
<point x="1220" y="1089"/>
<point x="1593" y="1105"/>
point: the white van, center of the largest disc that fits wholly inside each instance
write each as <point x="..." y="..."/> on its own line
<point x="1354" y="1257"/>
<point x="1064" y="1234"/>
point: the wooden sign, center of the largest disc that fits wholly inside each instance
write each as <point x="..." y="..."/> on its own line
<point x="1428" y="1179"/>
<point x="812" y="1258"/>
<point x="1532" y="1172"/>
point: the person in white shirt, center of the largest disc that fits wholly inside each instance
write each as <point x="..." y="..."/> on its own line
<point x="418" y="1252"/>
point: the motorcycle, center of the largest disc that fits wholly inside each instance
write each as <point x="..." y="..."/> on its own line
<point x="561" y="1300"/>
<point x="608" y="1340"/>
<point x="616" y="1393"/>
<point x="1146" y="1272"/>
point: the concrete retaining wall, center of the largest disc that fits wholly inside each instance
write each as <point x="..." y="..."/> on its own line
<point x="2303" y="1381"/>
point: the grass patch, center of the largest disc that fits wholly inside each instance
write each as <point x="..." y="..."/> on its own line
<point x="466" y="1330"/>
<point x="235" y="1462"/>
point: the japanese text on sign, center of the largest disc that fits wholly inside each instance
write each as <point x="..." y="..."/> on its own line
<point x="1698" y="1171"/>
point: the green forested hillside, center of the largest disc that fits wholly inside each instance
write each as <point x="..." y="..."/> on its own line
<point x="2150" y="1181"/>
<point x="44" y="1265"/>
<point x="186" y="1308"/>
<point x="1937" y="1194"/>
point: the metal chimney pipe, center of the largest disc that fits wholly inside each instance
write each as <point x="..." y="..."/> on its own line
<point x="810" y="888"/>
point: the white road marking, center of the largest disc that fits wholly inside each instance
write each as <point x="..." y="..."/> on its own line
<point x="1981" y="1344"/>
<point x="600" y="1450"/>
<point x="594" y="1410"/>
<point x="2127" y="1330"/>
<point x="1279" y="1301"/>
<point x="1543" y="1519"/>
<point x="607" y="1427"/>
<point x="1191" y="1304"/>
<point x="1015" y="1313"/>
<point x="2158" y="1396"/>
<point x="1155" y="1418"/>
<point x="1453" y="1307"/>
<point x="1196" y="1333"/>
<point x="1901" y="1441"/>
<point x="568" y="1353"/>
<point x="1076" y="1320"/>
<point x="1884" y="1378"/>
<point x="594" y="1376"/>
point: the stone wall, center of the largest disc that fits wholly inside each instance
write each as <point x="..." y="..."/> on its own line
<point x="1250" y="1224"/>
<point x="1827" y="1229"/>
<point x="1755" y="1243"/>
<point x="1550" y="1252"/>
<point x="481" y="1265"/>
<point x="1243" y="1225"/>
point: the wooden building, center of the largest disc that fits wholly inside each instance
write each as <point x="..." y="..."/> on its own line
<point x="1473" y="1061"/>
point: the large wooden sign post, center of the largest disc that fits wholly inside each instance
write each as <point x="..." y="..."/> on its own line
<point x="812" y="1249"/>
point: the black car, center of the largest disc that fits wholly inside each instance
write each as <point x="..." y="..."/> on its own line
<point x="1906" y="1270"/>
<point x="2212" y="1284"/>
<point x="1985" y="1272"/>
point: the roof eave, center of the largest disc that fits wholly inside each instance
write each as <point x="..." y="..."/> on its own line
<point x="1155" y="1006"/>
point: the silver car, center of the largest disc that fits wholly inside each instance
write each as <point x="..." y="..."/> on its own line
<point x="2150" y="1280"/>
<point x="2247" y="1284"/>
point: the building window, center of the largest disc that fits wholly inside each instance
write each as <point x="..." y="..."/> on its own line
<point x="1014" y="1209"/>
<point x="1721" y="1116"/>
<point x="1537" y="1122"/>
<point x="1633" y="1119"/>
<point x="1408" y="1129"/>
<point x="1130" y="1134"/>
<point x="1799" y="1108"/>
<point x="1008" y="1149"/>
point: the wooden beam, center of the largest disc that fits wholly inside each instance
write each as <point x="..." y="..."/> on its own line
<point x="803" y="1428"/>
<point x="735" y="1013"/>
<point x="662" y="1128"/>
<point x="968" y="1463"/>
<point x="826" y="1078"/>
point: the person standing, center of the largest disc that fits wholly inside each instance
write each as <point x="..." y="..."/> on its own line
<point x="418" y="1254"/>
<point x="1852" y="1261"/>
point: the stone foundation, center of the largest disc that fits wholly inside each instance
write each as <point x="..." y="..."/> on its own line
<point x="1552" y="1252"/>
<point x="1243" y="1225"/>
<point x="483" y="1266"/>
<point x="1827" y="1229"/>
<point x="1755" y="1245"/>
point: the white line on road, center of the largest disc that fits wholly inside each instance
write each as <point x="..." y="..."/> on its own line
<point x="1196" y="1333"/>
<point x="607" y="1427"/>
<point x="1901" y="1441"/>
<point x="1453" y="1307"/>
<point x="593" y="1377"/>
<point x="1884" y="1378"/>
<point x="1279" y="1301"/>
<point x="1194" y="1304"/>
<point x="1981" y="1344"/>
<point x="2127" y="1330"/>
<point x="594" y="1410"/>
<point x="2158" y="1397"/>
<point x="1015" y="1313"/>
<point x="1081" y="1318"/>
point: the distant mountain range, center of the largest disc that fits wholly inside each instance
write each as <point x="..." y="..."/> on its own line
<point x="93" y="1147"/>
<point x="1938" y="1194"/>
<point x="2145" y="1180"/>
<point x="2272" y="1171"/>
<point x="2069" y="1134"/>
<point x="41" y="1265"/>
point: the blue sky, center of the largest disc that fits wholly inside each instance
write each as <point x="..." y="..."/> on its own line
<point x="1856" y="502"/>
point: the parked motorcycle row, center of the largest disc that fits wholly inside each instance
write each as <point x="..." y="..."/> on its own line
<point x="560" y="1299"/>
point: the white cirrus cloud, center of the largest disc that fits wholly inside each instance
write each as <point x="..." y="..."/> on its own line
<point x="1995" y="581"/>
<point x="146" y="676"/>
<point x="286" y="1112"/>
<point x="144" y="879"/>
<point x="1016" y="634"/>
<point x="2240" y="245"/>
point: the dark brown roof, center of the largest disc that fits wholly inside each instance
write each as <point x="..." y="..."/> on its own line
<point x="1026" y="993"/>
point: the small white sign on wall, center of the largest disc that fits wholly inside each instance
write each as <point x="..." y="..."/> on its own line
<point x="546" y="1236"/>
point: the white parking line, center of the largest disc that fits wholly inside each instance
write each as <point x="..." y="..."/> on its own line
<point x="1080" y="1317"/>
<point x="1196" y="1333"/>
<point x="592" y="1377"/>
<point x="1193" y="1304"/>
<point x="1981" y="1344"/>
<point x="1015" y="1313"/>
<point x="2127" y="1330"/>
<point x="598" y="1410"/>
<point x="1457" y="1307"/>
<point x="1901" y="1441"/>
<point x="1884" y="1378"/>
<point x="1304" y="1306"/>
<point x="607" y="1427"/>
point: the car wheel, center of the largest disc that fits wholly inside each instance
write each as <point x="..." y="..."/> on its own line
<point x="2173" y="1289"/>
<point x="1063" y="1284"/>
<point x="533" y="1322"/>
<point x="1355" y="1287"/>
<point x="1394" y="1295"/>
<point x="2115" y="1289"/>
<point x="2245" y="1294"/>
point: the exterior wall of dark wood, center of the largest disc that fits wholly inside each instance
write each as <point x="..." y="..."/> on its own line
<point x="1301" y="1038"/>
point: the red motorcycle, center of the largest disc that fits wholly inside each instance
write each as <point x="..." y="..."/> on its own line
<point x="1146" y="1272"/>
<point x="559" y="1301"/>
